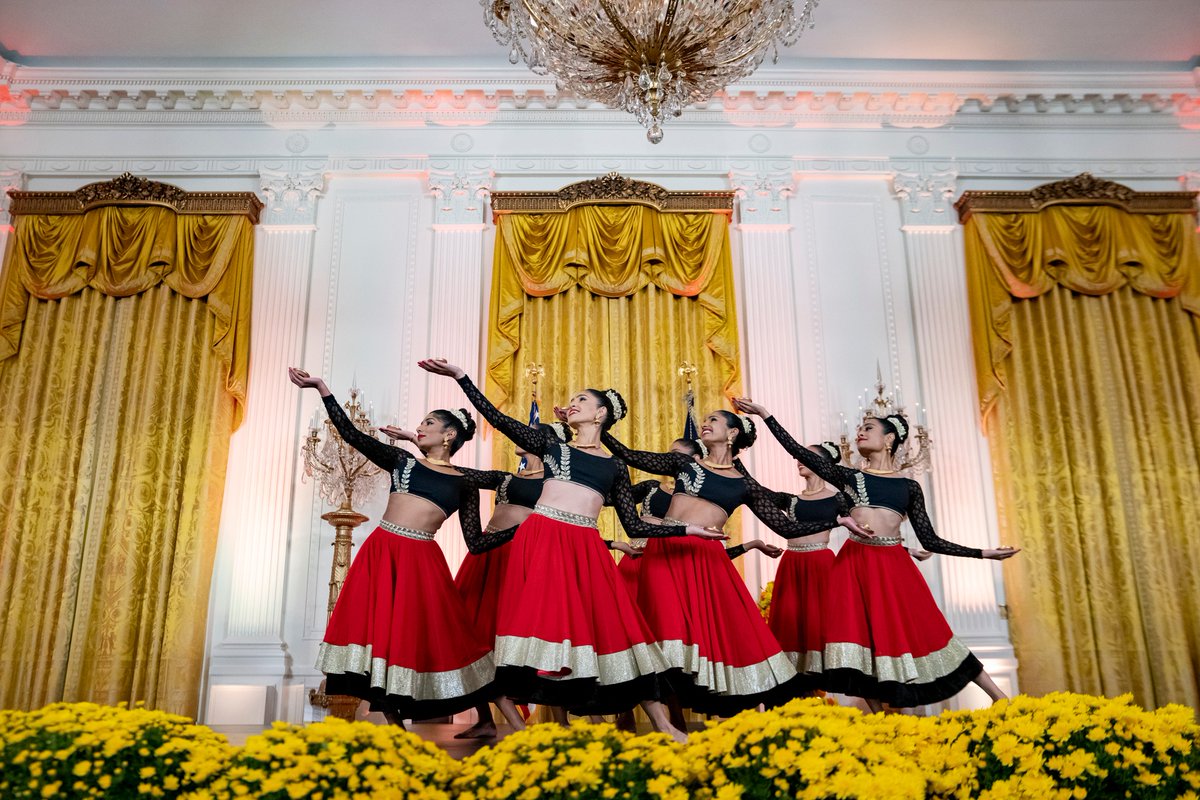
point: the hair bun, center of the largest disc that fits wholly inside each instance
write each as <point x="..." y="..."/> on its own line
<point x="620" y="409"/>
<point x="469" y="425"/>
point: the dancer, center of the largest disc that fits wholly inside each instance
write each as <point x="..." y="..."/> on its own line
<point x="704" y="618"/>
<point x="885" y="639"/>
<point x="399" y="636"/>
<point x="567" y="634"/>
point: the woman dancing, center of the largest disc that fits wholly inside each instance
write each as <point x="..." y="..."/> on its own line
<point x="697" y="605"/>
<point x="567" y="634"/>
<point x="885" y="639"/>
<point x="399" y="635"/>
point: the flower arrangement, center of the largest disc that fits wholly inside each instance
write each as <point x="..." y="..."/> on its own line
<point x="335" y="759"/>
<point x="583" y="762"/>
<point x="76" y="750"/>
<point x="1049" y="748"/>
<point x="764" y="599"/>
<point x="809" y="749"/>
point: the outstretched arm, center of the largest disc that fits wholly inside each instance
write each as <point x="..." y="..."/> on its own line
<point x="478" y="541"/>
<point x="667" y="463"/>
<point x="621" y="499"/>
<point x="837" y="475"/>
<point x="526" y="436"/>
<point x="929" y="539"/>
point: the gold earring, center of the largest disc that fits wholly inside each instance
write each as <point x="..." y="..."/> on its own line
<point x="446" y="442"/>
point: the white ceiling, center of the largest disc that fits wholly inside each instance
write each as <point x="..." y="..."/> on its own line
<point x="1099" y="34"/>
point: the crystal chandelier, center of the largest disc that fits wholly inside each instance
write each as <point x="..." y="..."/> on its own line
<point x="651" y="58"/>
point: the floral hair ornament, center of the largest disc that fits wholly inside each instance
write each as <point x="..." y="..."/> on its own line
<point x="617" y="405"/>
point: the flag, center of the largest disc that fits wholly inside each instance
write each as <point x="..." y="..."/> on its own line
<point x="690" y="429"/>
<point x="535" y="417"/>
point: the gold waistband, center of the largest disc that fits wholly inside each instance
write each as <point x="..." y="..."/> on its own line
<point x="879" y="541"/>
<point x="411" y="533"/>
<point x="569" y="517"/>
<point x="807" y="547"/>
<point x="673" y="521"/>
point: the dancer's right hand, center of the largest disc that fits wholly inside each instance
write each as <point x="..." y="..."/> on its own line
<point x="306" y="381"/>
<point x="706" y="533"/>
<point x="440" y="366"/>
<point x="560" y="414"/>
<point x="1001" y="553"/>
<point x="627" y="549"/>
<point x="748" y="406"/>
<point x="392" y="432"/>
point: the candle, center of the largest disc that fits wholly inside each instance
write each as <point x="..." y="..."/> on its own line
<point x="370" y="412"/>
<point x="899" y="402"/>
<point x="845" y="425"/>
<point x="312" y="423"/>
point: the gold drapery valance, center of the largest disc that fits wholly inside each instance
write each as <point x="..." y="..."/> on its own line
<point x="611" y="251"/>
<point x="1060" y="237"/>
<point x="126" y="236"/>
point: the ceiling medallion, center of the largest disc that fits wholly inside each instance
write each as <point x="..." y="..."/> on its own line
<point x="652" y="58"/>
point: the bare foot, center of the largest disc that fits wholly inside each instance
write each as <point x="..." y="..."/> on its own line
<point x="485" y="729"/>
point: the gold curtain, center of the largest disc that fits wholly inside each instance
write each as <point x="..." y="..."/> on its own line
<point x="614" y="296"/>
<point x="124" y="334"/>
<point x="1088" y="353"/>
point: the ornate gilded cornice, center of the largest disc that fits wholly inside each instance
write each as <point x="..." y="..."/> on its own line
<point x="130" y="190"/>
<point x="1083" y="189"/>
<point x="611" y="189"/>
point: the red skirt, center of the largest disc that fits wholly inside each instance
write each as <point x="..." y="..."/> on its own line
<point x="710" y="629"/>
<point x="885" y="637"/>
<point x="400" y="636"/>
<point x="799" y="603"/>
<point x="629" y="569"/>
<point x="568" y="634"/>
<point x="478" y="581"/>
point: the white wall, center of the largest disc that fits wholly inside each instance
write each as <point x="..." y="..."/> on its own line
<point x="376" y="246"/>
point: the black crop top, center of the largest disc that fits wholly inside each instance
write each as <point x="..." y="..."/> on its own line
<point x="609" y="477"/>
<point x="902" y="495"/>
<point x="409" y="475"/>
<point x="512" y="490"/>
<point x="653" y="499"/>
<point x="726" y="492"/>
<point x="826" y="509"/>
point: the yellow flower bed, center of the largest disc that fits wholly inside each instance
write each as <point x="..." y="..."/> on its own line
<point x="74" y="750"/>
<point x="1058" y="746"/>
<point x="582" y="762"/>
<point x="334" y="759"/>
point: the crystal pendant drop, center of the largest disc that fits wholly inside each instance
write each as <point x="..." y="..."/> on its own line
<point x="655" y="134"/>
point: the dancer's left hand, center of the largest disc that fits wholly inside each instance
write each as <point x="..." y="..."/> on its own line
<point x="627" y="549"/>
<point x="440" y="366"/>
<point x="851" y="524"/>
<point x="920" y="555"/>
<point x="560" y="414"/>
<point x="768" y="550"/>
<point x="748" y="406"/>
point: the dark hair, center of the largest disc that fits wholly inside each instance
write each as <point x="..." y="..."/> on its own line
<point x="465" y="432"/>
<point x="561" y="432"/>
<point x="826" y="451"/>
<point x="693" y="446"/>
<point x="890" y="427"/>
<point x="745" y="436"/>
<point x="616" y="411"/>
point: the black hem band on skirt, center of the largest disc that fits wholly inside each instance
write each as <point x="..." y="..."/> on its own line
<point x="902" y="695"/>
<point x="702" y="701"/>
<point x="580" y="696"/>
<point x="359" y="685"/>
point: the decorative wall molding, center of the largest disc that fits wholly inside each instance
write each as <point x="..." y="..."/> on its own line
<point x="927" y="196"/>
<point x="11" y="180"/>
<point x="461" y="197"/>
<point x="291" y="196"/>
<point x="763" y="197"/>
<point x="920" y="99"/>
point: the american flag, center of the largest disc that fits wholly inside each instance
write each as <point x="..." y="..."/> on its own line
<point x="535" y="417"/>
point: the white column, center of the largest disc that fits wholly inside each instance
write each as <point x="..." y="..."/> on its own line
<point x="770" y="358"/>
<point x="458" y="314"/>
<point x="248" y="657"/>
<point x="959" y="484"/>
<point x="9" y="180"/>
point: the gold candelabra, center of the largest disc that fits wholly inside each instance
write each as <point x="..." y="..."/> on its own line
<point x="913" y="455"/>
<point x="342" y="475"/>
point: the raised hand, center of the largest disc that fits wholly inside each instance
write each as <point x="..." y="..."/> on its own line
<point x="392" y="432"/>
<point x="440" y="366"/>
<point x="560" y="414"/>
<point x="748" y="406"/>
<point x="306" y="381"/>
<point x="1001" y="553"/>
